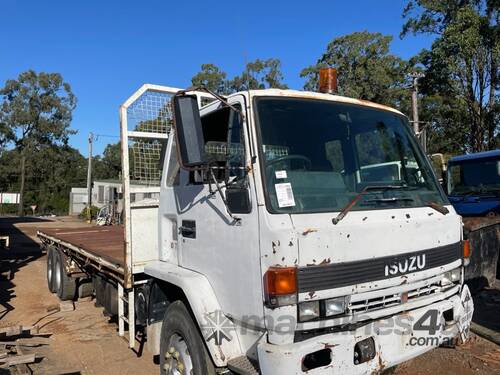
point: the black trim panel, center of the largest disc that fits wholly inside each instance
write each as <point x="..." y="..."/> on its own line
<point x="337" y="275"/>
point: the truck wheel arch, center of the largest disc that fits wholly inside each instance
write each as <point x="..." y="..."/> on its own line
<point x="195" y="291"/>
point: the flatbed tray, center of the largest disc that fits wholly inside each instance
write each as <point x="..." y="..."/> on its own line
<point x="106" y="242"/>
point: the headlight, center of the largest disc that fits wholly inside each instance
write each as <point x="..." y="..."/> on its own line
<point x="451" y="277"/>
<point x="308" y="311"/>
<point x="334" y="306"/>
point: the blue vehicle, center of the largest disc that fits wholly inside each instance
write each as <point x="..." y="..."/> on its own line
<point x="474" y="183"/>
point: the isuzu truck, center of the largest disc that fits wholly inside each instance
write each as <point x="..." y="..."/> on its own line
<point x="281" y="232"/>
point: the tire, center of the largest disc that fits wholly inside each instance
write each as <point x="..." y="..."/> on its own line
<point x="85" y="288"/>
<point x="50" y="269"/>
<point x="65" y="286"/>
<point x="180" y="333"/>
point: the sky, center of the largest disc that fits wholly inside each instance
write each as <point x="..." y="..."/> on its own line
<point x="107" y="49"/>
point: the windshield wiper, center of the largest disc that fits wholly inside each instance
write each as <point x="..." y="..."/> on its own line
<point x="438" y="207"/>
<point x="355" y="200"/>
<point x="389" y="200"/>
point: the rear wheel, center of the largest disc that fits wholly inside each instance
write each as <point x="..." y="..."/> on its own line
<point x="85" y="288"/>
<point x="64" y="286"/>
<point x="182" y="350"/>
<point x="50" y="269"/>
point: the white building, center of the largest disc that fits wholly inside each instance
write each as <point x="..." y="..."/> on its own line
<point x="105" y="193"/>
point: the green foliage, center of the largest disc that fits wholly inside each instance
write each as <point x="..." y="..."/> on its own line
<point x="109" y="166"/>
<point x="8" y="209"/>
<point x="460" y="89"/>
<point x="258" y="74"/>
<point x="50" y="175"/>
<point x="35" y="112"/>
<point x="93" y="212"/>
<point x="366" y="68"/>
<point x="37" y="109"/>
<point x="211" y="77"/>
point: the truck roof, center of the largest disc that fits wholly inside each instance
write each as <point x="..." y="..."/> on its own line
<point x="477" y="155"/>
<point x="320" y="96"/>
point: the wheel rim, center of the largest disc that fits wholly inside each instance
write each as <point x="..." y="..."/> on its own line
<point x="177" y="357"/>
<point x="57" y="280"/>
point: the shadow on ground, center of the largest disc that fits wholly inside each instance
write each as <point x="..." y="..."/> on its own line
<point x="23" y="249"/>
<point x="487" y="308"/>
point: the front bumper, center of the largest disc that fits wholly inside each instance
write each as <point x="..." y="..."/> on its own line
<point x="397" y="339"/>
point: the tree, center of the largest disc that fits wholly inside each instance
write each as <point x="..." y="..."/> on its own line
<point x="109" y="166"/>
<point x="259" y="74"/>
<point x="461" y="68"/>
<point x="37" y="110"/>
<point x="212" y="78"/>
<point x="366" y="69"/>
<point x="5" y="134"/>
<point x="49" y="176"/>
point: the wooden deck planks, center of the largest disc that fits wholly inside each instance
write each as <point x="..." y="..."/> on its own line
<point x="106" y="242"/>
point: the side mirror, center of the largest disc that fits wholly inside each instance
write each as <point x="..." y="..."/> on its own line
<point x="188" y="130"/>
<point x="238" y="200"/>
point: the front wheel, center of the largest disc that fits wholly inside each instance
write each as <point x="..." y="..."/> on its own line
<point x="182" y="350"/>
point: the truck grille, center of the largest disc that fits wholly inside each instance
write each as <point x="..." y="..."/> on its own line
<point x="392" y="299"/>
<point x="336" y="275"/>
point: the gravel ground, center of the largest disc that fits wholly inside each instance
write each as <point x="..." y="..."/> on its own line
<point x="85" y="341"/>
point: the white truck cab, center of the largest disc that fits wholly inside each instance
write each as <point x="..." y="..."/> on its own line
<point x="278" y="254"/>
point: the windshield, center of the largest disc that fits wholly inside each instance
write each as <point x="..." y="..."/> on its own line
<point x="474" y="177"/>
<point x="318" y="155"/>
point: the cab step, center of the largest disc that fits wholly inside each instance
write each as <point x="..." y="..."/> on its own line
<point x="243" y="366"/>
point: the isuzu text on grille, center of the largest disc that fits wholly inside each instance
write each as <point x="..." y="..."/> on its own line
<point x="411" y="264"/>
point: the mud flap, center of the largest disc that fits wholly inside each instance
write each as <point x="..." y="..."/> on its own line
<point x="466" y="309"/>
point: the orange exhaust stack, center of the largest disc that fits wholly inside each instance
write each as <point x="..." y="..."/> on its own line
<point x="328" y="81"/>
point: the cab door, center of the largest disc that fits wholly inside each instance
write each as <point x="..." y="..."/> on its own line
<point x="210" y="241"/>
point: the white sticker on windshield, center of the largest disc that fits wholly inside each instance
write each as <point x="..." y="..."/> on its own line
<point x="284" y="194"/>
<point x="280" y="174"/>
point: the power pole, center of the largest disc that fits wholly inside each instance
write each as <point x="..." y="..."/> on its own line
<point x="89" y="179"/>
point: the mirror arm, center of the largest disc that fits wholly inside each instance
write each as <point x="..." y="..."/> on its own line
<point x="215" y="95"/>
<point x="236" y="219"/>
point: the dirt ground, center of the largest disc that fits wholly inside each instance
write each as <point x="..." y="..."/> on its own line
<point x="84" y="341"/>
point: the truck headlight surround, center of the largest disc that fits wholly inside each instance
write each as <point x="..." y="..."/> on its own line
<point x="308" y="311"/>
<point x="335" y="306"/>
<point x="451" y="277"/>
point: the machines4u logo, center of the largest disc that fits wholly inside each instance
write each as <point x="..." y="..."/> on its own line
<point x="217" y="327"/>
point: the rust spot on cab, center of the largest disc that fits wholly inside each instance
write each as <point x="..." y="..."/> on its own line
<point x="381" y="364"/>
<point x="309" y="230"/>
<point x="325" y="261"/>
<point x="311" y="264"/>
